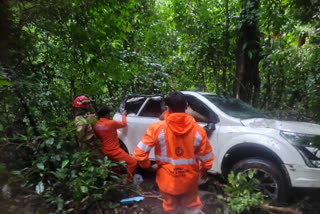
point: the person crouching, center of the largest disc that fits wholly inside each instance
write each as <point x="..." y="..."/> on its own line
<point x="106" y="131"/>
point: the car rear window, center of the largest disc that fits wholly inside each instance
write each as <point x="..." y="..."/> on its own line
<point x="152" y="108"/>
<point x="134" y="104"/>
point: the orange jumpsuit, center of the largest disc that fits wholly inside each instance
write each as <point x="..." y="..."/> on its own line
<point x="181" y="150"/>
<point x="106" y="131"/>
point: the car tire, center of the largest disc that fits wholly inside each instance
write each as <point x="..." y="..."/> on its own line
<point x="273" y="182"/>
<point x="123" y="146"/>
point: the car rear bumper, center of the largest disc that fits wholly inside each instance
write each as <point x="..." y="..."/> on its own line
<point x="303" y="176"/>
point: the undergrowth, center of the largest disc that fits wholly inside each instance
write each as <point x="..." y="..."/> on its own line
<point x="69" y="179"/>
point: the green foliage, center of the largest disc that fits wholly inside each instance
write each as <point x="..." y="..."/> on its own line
<point x="56" y="50"/>
<point x="4" y="82"/>
<point x="83" y="180"/>
<point x="63" y="174"/>
<point x="205" y="58"/>
<point x="242" y="194"/>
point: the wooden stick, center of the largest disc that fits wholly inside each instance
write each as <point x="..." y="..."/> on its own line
<point x="284" y="210"/>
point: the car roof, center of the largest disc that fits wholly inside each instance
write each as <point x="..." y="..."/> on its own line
<point x="130" y="96"/>
<point x="197" y="92"/>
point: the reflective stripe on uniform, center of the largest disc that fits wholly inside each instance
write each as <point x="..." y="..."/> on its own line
<point x="204" y="157"/>
<point x="164" y="157"/>
<point x="162" y="142"/>
<point x="197" y="141"/>
<point x="144" y="147"/>
<point x="191" y="211"/>
<point x="176" y="162"/>
<point x="102" y="129"/>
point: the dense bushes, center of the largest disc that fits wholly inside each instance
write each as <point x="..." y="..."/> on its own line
<point x="68" y="179"/>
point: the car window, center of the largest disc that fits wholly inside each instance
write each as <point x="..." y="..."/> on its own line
<point x="199" y="110"/>
<point x="132" y="105"/>
<point x="153" y="108"/>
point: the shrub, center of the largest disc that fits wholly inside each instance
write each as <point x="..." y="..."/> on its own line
<point x="69" y="179"/>
<point x="242" y="194"/>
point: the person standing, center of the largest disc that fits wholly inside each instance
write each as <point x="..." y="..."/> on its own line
<point x="182" y="153"/>
<point x="85" y="132"/>
<point x="106" y="131"/>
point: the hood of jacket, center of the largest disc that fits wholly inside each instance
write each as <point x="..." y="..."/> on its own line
<point x="179" y="123"/>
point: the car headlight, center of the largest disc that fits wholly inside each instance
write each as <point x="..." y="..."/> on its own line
<point x="307" y="145"/>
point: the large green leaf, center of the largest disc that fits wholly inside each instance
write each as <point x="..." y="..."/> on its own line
<point x="4" y="81"/>
<point x="40" y="166"/>
<point x="64" y="163"/>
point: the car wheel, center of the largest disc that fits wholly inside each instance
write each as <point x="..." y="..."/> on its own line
<point x="123" y="146"/>
<point x="272" y="182"/>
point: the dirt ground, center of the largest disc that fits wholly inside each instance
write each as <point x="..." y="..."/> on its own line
<point x="152" y="202"/>
<point x="303" y="201"/>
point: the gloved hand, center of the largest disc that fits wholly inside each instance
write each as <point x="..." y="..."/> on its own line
<point x="203" y="174"/>
<point x="153" y="168"/>
<point x="90" y="116"/>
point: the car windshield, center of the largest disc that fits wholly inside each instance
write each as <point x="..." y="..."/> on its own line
<point x="235" y="107"/>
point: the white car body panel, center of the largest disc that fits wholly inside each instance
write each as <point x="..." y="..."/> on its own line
<point x="232" y="131"/>
<point x="134" y="137"/>
<point x="292" y="126"/>
<point x="303" y="176"/>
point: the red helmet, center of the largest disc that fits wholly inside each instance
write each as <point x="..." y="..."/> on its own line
<point x="81" y="102"/>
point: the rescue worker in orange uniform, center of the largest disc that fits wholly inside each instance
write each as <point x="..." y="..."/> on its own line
<point x="182" y="154"/>
<point x="106" y="131"/>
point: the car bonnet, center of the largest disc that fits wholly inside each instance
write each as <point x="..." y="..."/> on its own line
<point x="291" y="126"/>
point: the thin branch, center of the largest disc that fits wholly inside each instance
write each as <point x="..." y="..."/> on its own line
<point x="284" y="210"/>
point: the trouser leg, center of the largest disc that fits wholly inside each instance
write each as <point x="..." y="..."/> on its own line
<point x="190" y="202"/>
<point x="130" y="162"/>
<point x="170" y="202"/>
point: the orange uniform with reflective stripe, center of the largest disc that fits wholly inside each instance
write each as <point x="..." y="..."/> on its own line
<point x="106" y="131"/>
<point x="181" y="149"/>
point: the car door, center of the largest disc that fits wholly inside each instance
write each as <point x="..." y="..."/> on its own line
<point x="207" y="119"/>
<point x="138" y="122"/>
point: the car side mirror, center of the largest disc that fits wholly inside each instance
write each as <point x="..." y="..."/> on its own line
<point x="209" y="128"/>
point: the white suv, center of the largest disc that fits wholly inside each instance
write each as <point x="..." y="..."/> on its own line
<point x="284" y="153"/>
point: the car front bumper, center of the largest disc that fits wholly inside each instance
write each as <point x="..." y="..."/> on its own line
<point x="303" y="176"/>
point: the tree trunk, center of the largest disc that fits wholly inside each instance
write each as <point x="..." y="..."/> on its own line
<point x="215" y="73"/>
<point x="268" y="91"/>
<point x="247" y="83"/>
<point x="226" y="48"/>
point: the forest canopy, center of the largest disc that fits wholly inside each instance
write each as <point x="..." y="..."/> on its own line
<point x="264" y="52"/>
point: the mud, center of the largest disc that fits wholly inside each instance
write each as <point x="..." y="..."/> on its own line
<point x="305" y="201"/>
